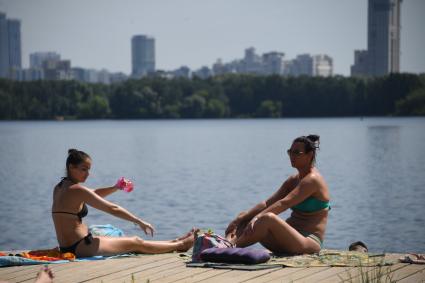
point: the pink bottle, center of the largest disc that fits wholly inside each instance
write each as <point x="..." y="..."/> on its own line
<point x="124" y="184"/>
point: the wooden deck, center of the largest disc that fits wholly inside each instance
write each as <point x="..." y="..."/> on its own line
<point x="171" y="268"/>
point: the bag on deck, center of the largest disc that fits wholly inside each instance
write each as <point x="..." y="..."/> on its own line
<point x="206" y="240"/>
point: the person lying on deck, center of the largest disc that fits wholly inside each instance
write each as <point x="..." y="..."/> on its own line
<point x="70" y="201"/>
<point x="305" y="192"/>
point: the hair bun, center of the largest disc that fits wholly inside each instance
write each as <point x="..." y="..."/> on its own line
<point x="71" y="151"/>
<point x="313" y="138"/>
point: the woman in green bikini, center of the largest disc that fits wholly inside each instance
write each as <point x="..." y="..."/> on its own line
<point x="305" y="192"/>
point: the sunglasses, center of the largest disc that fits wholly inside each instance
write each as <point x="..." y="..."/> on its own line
<point x="295" y="152"/>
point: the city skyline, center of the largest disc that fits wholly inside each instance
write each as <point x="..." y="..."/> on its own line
<point x="184" y="34"/>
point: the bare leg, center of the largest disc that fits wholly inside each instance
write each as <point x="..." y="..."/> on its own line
<point x="277" y="235"/>
<point x="45" y="275"/>
<point x="119" y="245"/>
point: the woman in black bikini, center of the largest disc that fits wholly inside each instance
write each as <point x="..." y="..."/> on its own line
<point x="70" y="200"/>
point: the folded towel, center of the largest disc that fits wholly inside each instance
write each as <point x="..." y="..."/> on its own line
<point x="235" y="255"/>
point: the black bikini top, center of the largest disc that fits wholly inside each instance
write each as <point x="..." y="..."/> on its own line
<point x="82" y="213"/>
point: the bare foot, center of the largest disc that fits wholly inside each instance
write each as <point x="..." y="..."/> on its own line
<point x="189" y="234"/>
<point x="187" y="243"/>
<point x="45" y="275"/>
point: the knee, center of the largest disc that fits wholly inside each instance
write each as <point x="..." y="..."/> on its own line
<point x="138" y="241"/>
<point x="267" y="217"/>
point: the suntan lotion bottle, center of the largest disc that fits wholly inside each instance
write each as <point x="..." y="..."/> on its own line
<point x="124" y="184"/>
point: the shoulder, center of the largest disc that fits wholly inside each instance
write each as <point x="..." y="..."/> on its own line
<point x="80" y="189"/>
<point x="290" y="183"/>
<point x="292" y="179"/>
<point x="314" y="181"/>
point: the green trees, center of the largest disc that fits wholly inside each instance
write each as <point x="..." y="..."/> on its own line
<point x="227" y="96"/>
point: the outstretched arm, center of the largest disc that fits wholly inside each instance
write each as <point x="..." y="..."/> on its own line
<point x="95" y="200"/>
<point x="103" y="192"/>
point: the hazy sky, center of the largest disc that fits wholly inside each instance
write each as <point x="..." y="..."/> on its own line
<point x="97" y="33"/>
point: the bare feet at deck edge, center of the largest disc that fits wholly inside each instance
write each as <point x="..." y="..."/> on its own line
<point x="45" y="275"/>
<point x="187" y="240"/>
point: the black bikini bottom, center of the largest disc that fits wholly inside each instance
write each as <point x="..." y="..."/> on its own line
<point x="71" y="249"/>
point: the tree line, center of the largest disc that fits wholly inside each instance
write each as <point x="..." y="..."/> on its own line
<point x="228" y="96"/>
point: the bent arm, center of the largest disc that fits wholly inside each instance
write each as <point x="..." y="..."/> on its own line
<point x="301" y="192"/>
<point x="245" y="217"/>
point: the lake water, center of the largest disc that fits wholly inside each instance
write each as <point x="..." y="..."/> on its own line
<point x="203" y="172"/>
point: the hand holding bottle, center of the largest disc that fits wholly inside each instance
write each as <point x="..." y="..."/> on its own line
<point x="124" y="184"/>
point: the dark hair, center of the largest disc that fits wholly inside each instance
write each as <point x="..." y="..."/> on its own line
<point x="358" y="243"/>
<point x="75" y="157"/>
<point x="311" y="143"/>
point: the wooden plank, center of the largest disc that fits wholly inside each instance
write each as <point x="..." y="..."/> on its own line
<point x="224" y="277"/>
<point x="189" y="275"/>
<point x="203" y="276"/>
<point x="54" y="267"/>
<point x="149" y="267"/>
<point x="354" y="274"/>
<point x="252" y="275"/>
<point x="276" y="274"/>
<point x="12" y="269"/>
<point x="300" y="274"/>
<point x="171" y="268"/>
<point x="407" y="271"/>
<point x="323" y="274"/>
<point x="147" y="274"/>
<point x="30" y="277"/>
<point x="20" y="271"/>
<point x="239" y="275"/>
<point x="128" y="268"/>
<point x="178" y="275"/>
<point x="96" y="270"/>
<point x="415" y="277"/>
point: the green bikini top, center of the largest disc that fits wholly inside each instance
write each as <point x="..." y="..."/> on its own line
<point x="312" y="204"/>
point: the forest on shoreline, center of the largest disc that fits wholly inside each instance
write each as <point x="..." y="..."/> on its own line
<point x="228" y="96"/>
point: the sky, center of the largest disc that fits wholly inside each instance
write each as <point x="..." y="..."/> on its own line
<point x="97" y="33"/>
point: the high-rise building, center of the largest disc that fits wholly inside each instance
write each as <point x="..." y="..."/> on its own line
<point x="142" y="55"/>
<point x="302" y="65"/>
<point x="57" y="69"/>
<point x="322" y="66"/>
<point x="4" y="47"/>
<point x="10" y="46"/>
<point x="14" y="33"/>
<point x="273" y="63"/>
<point x="37" y="58"/>
<point x="252" y="63"/>
<point x="383" y="40"/>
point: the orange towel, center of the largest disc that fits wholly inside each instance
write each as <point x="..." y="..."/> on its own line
<point x="48" y="255"/>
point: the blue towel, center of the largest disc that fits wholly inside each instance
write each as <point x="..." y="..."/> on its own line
<point x="96" y="230"/>
<point x="18" y="260"/>
<point x="105" y="230"/>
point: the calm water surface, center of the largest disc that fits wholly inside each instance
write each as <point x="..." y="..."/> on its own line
<point x="203" y="172"/>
